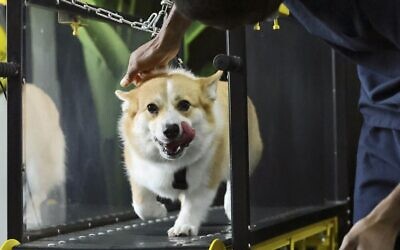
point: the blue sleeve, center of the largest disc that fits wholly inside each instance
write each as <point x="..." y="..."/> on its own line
<point x="384" y="17"/>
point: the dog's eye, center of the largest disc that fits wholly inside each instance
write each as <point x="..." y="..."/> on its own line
<point x="152" y="108"/>
<point x="183" y="105"/>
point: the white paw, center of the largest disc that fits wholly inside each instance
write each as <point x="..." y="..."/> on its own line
<point x="227" y="201"/>
<point x="183" y="230"/>
<point x="227" y="207"/>
<point x="151" y="210"/>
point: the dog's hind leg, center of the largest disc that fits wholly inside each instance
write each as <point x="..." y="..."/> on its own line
<point x="145" y="202"/>
<point x="194" y="208"/>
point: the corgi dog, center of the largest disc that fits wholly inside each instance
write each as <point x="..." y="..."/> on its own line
<point x="44" y="152"/>
<point x="175" y="133"/>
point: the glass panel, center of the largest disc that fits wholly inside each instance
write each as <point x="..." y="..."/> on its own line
<point x="72" y="152"/>
<point x="290" y="82"/>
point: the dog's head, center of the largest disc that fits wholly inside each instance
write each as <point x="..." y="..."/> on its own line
<point x="170" y="116"/>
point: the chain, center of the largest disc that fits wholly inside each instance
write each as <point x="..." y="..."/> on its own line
<point x="149" y="25"/>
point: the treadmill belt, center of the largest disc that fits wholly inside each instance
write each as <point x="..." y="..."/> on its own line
<point x="138" y="234"/>
<point x="152" y="234"/>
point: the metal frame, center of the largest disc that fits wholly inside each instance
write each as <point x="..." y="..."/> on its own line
<point x="236" y="46"/>
<point x="298" y="238"/>
<point x="239" y="137"/>
<point x="265" y="230"/>
<point x="79" y="7"/>
<point x="242" y="233"/>
<point x="68" y="8"/>
<point x="15" y="168"/>
<point x="15" y="54"/>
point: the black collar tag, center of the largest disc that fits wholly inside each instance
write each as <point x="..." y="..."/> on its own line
<point x="180" y="180"/>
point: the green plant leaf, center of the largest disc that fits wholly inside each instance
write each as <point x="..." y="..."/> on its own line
<point x="191" y="34"/>
<point x="103" y="82"/>
<point x="102" y="69"/>
<point x="109" y="44"/>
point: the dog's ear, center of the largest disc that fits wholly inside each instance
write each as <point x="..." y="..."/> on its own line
<point x="127" y="99"/>
<point x="210" y="84"/>
<point x="122" y="95"/>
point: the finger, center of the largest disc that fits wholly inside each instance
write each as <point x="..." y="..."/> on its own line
<point x="348" y="244"/>
<point x="124" y="81"/>
<point x="142" y="77"/>
<point x="129" y="77"/>
<point x="137" y="80"/>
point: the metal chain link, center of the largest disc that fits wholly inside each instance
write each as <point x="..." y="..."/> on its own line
<point x="149" y="25"/>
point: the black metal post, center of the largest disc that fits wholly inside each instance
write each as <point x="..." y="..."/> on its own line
<point x="15" y="38"/>
<point x="61" y="6"/>
<point x="236" y="46"/>
<point x="8" y="69"/>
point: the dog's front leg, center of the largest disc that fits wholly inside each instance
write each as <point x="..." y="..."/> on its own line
<point x="145" y="202"/>
<point x="194" y="208"/>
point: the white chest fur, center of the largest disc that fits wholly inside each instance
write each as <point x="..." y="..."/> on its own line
<point x="158" y="177"/>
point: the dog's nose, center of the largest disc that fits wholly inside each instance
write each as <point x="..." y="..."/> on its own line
<point x="172" y="131"/>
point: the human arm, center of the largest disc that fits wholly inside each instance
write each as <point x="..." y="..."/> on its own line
<point x="378" y="230"/>
<point x="159" y="51"/>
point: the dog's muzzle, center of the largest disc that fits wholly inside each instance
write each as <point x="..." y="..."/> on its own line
<point x="175" y="147"/>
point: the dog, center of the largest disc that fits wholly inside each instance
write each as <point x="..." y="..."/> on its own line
<point x="175" y="133"/>
<point x="44" y="152"/>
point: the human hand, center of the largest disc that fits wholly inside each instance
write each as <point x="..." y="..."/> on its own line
<point x="150" y="56"/>
<point x="370" y="233"/>
<point x="379" y="229"/>
<point x="158" y="52"/>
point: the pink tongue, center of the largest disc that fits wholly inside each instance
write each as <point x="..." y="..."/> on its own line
<point x="187" y="136"/>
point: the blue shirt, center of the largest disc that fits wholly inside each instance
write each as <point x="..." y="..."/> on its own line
<point x="367" y="32"/>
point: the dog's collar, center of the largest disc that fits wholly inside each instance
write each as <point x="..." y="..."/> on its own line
<point x="180" y="180"/>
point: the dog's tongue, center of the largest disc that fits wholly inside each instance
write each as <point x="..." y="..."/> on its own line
<point x="187" y="136"/>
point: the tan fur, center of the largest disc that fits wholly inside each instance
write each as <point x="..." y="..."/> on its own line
<point x="221" y="158"/>
<point x="137" y="196"/>
<point x="44" y="152"/>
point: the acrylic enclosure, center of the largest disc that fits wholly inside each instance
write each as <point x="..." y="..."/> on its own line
<point x="72" y="151"/>
<point x="72" y="163"/>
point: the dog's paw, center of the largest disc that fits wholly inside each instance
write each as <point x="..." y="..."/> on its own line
<point x="183" y="230"/>
<point x="227" y="207"/>
<point x="227" y="202"/>
<point x="150" y="210"/>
